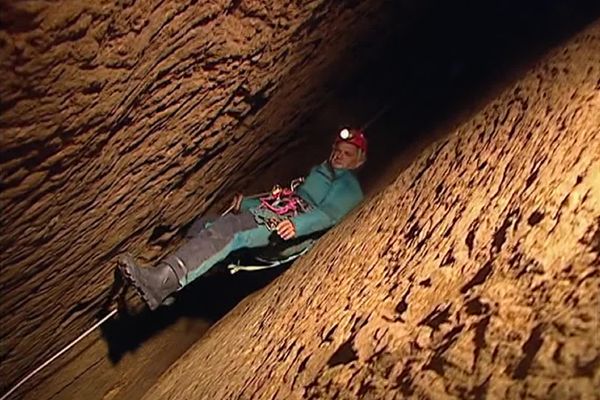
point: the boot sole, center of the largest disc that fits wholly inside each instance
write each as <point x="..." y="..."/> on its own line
<point x="131" y="277"/>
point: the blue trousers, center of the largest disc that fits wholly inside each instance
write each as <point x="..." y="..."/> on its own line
<point x="210" y="243"/>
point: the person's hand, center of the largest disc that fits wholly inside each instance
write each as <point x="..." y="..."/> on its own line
<point x="236" y="203"/>
<point x="286" y="229"/>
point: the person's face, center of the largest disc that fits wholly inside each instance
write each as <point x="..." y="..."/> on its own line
<point x="345" y="156"/>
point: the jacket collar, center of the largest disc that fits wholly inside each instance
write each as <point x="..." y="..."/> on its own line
<point x="334" y="173"/>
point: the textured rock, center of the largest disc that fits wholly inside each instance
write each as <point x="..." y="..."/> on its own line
<point x="86" y="373"/>
<point x="475" y="273"/>
<point x="121" y="120"/>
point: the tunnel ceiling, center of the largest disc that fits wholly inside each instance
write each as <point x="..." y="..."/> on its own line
<point x="122" y="120"/>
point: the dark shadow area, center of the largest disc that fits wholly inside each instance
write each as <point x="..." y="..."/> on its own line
<point x="451" y="61"/>
<point x="442" y="67"/>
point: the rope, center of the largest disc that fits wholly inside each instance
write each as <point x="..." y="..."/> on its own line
<point x="54" y="357"/>
<point x="254" y="196"/>
<point x="222" y="215"/>
<point x="381" y="111"/>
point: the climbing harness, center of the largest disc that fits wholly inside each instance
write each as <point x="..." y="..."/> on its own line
<point x="285" y="201"/>
<point x="279" y="204"/>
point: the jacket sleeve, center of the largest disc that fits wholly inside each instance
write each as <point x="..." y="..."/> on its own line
<point x="339" y="201"/>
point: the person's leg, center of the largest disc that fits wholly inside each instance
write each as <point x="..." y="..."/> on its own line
<point x="199" y="225"/>
<point x="212" y="245"/>
<point x="195" y="257"/>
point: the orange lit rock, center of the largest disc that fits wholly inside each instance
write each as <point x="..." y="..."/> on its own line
<point x="121" y="119"/>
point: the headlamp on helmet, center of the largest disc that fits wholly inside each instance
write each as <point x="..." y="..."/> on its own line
<point x="355" y="137"/>
<point x="345" y="134"/>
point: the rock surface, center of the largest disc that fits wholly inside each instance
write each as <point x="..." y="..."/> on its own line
<point x="475" y="274"/>
<point x="122" y="120"/>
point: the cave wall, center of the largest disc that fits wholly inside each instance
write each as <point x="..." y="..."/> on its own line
<point x="475" y="274"/>
<point x="122" y="120"/>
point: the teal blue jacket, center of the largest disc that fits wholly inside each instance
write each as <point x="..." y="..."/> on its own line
<point x="331" y="193"/>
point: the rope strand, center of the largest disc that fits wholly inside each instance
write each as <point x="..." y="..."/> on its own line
<point x="381" y="111"/>
<point x="54" y="357"/>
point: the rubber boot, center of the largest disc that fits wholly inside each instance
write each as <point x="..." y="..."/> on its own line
<point x="154" y="284"/>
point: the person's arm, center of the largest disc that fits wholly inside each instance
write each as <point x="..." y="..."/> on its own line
<point x="342" y="197"/>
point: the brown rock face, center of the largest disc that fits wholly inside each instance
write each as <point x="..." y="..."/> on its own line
<point x="121" y="120"/>
<point x="476" y="273"/>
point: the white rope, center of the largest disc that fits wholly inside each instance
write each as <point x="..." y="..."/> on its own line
<point x="377" y="115"/>
<point x="222" y="215"/>
<point x="231" y="207"/>
<point x="73" y="343"/>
